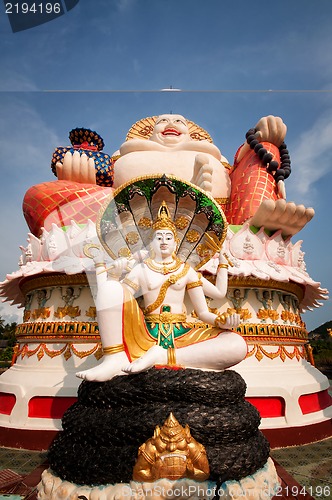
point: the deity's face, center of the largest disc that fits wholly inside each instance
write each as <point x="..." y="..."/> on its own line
<point x="41" y="294"/>
<point x="163" y="243"/>
<point x="170" y="130"/>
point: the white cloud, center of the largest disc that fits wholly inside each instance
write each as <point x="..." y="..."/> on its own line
<point x="10" y="314"/>
<point x="312" y="154"/>
<point x="123" y="5"/>
<point x="26" y="140"/>
<point x="13" y="81"/>
<point x="26" y="143"/>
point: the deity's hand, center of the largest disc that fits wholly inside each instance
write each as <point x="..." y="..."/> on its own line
<point x="227" y="321"/>
<point x="76" y="168"/>
<point x="118" y="267"/>
<point x="223" y="259"/>
<point x="271" y="129"/>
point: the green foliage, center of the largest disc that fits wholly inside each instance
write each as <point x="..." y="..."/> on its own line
<point x="322" y="331"/>
<point x="6" y="354"/>
<point x="7" y="332"/>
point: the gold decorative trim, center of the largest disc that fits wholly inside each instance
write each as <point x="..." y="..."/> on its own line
<point x="259" y="352"/>
<point x="113" y="349"/>
<point x="166" y="317"/>
<point x="194" y="284"/>
<point x="57" y="327"/>
<point x="28" y="284"/>
<point x="130" y="283"/>
<point x="275" y="340"/>
<point x="192" y="236"/>
<point x="59" y="339"/>
<point x="274" y="331"/>
<point x="67" y="350"/>
<point x="145" y="223"/>
<point x="222" y="201"/>
<point x="251" y="282"/>
<point x="171" y="356"/>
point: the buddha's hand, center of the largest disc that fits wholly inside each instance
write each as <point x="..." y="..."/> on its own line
<point x="227" y="321"/>
<point x="271" y="129"/>
<point x="76" y="168"/>
<point x="203" y="171"/>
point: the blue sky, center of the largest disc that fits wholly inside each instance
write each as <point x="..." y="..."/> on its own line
<point x="101" y="66"/>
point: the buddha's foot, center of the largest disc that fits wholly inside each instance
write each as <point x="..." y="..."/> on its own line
<point x="156" y="355"/>
<point x="109" y="368"/>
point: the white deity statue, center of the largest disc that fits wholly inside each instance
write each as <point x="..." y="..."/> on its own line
<point x="135" y="340"/>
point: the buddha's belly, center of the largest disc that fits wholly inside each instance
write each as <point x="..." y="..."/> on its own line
<point x="178" y="163"/>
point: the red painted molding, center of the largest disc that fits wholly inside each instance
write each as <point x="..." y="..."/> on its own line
<point x="49" y="407"/>
<point x="7" y="403"/>
<point x="316" y="401"/>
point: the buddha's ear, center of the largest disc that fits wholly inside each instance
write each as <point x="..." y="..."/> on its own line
<point x="156" y="432"/>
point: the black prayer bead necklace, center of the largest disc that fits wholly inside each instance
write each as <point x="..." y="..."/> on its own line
<point x="272" y="166"/>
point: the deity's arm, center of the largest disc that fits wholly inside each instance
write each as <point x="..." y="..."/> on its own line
<point x="146" y="457"/>
<point x="198" y="300"/>
<point x="219" y="290"/>
<point x="196" y="294"/>
<point x="223" y="321"/>
<point x="257" y="295"/>
<point x="132" y="280"/>
<point x="199" y="469"/>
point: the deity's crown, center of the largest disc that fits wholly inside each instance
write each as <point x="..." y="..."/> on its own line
<point x="163" y="220"/>
<point x="172" y="431"/>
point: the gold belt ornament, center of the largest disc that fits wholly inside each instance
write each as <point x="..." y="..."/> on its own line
<point x="166" y="317"/>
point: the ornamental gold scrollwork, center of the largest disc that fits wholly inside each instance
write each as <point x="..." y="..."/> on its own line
<point x="244" y="313"/>
<point x="41" y="313"/>
<point x="145" y="223"/>
<point x="181" y="222"/>
<point x="71" y="311"/>
<point x="67" y="351"/>
<point x="259" y="352"/>
<point x="265" y="314"/>
<point x="192" y="236"/>
<point x="273" y="331"/>
<point x="132" y="238"/>
<point x="91" y="312"/>
<point x="57" y="328"/>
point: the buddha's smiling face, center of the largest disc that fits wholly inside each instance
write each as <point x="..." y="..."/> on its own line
<point x="170" y="130"/>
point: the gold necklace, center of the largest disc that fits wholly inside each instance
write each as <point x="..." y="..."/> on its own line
<point x="164" y="268"/>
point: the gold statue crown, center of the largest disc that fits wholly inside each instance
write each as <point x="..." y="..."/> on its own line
<point x="163" y="220"/>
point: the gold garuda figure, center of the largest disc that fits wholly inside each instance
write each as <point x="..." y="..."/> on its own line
<point x="171" y="453"/>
